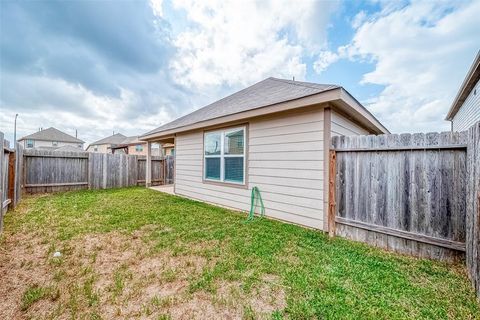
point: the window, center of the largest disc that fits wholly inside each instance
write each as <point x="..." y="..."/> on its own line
<point x="139" y="148"/>
<point x="54" y="143"/>
<point x="30" y="144"/>
<point x="95" y="148"/>
<point x="224" y="152"/>
<point x="172" y="151"/>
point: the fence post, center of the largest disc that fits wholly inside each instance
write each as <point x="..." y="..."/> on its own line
<point x="11" y="179"/>
<point x="89" y="170"/>
<point x="331" y="194"/>
<point x="148" y="166"/>
<point x="2" y="152"/>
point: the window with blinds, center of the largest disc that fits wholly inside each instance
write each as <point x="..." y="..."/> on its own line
<point x="224" y="155"/>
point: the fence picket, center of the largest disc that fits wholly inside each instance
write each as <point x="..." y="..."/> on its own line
<point x="399" y="182"/>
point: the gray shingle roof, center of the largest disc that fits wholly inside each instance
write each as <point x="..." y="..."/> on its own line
<point x="133" y="139"/>
<point x="52" y="134"/>
<point x="264" y="93"/>
<point x="117" y="138"/>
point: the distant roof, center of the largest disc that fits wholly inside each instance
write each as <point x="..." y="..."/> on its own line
<point x="117" y="138"/>
<point x="66" y="147"/>
<point x="69" y="148"/>
<point x="52" y="134"/>
<point x="130" y="140"/>
<point x="264" y="93"/>
<point x="127" y="142"/>
<point x="473" y="76"/>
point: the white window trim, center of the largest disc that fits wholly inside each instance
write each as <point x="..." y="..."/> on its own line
<point x="222" y="155"/>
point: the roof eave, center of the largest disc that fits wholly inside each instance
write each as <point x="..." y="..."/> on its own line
<point x="317" y="98"/>
<point x="332" y="95"/>
<point x="43" y="139"/>
<point x="472" y="77"/>
<point x="363" y="114"/>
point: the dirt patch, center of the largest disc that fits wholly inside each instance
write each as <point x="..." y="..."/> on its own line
<point x="269" y="296"/>
<point x="23" y="264"/>
<point x="117" y="275"/>
<point x="266" y="297"/>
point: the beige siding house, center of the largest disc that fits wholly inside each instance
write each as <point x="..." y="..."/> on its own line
<point x="465" y="110"/>
<point x="133" y="146"/>
<point x="105" y="145"/>
<point x="273" y="135"/>
<point x="51" y="139"/>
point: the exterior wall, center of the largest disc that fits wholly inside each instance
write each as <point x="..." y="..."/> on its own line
<point x="102" y="148"/>
<point x="341" y="126"/>
<point x="284" y="160"/>
<point x="469" y="112"/>
<point x="132" y="150"/>
<point x="49" y="144"/>
<point x="168" y="151"/>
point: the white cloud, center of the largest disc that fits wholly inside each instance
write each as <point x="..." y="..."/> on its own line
<point x="69" y="107"/>
<point x="421" y="53"/>
<point x="359" y="19"/>
<point x="157" y="8"/>
<point x="325" y="59"/>
<point x="235" y="43"/>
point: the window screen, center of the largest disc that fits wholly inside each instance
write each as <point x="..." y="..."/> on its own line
<point x="224" y="152"/>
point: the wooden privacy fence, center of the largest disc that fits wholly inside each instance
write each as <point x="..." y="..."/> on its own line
<point x="11" y="162"/>
<point x="52" y="171"/>
<point x="473" y="206"/>
<point x="412" y="193"/>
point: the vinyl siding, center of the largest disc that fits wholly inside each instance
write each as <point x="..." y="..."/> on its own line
<point x="49" y="144"/>
<point x="469" y="112"/>
<point x="101" y="148"/>
<point x="284" y="160"/>
<point x="341" y="126"/>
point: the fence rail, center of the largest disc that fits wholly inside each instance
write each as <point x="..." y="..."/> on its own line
<point x="417" y="194"/>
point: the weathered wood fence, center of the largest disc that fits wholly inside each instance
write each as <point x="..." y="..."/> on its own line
<point x="52" y="171"/>
<point x="411" y="193"/>
<point x="11" y="161"/>
<point x="473" y="206"/>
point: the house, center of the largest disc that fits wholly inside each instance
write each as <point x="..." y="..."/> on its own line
<point x="105" y="145"/>
<point x="51" y="139"/>
<point x="133" y="146"/>
<point x="274" y="135"/>
<point x="168" y="149"/>
<point x="465" y="109"/>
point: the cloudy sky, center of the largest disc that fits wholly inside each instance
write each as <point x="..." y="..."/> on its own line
<point x="130" y="66"/>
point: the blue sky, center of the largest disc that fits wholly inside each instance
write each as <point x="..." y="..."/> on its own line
<point x="130" y="66"/>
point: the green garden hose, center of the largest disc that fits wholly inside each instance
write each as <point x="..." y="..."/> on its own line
<point x="254" y="200"/>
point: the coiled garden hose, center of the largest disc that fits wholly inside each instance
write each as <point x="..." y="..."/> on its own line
<point x="255" y="198"/>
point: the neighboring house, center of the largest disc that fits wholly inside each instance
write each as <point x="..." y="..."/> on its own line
<point x="168" y="149"/>
<point x="133" y="146"/>
<point x="105" y="145"/>
<point x="465" y="110"/>
<point x="274" y="135"/>
<point x="51" y="139"/>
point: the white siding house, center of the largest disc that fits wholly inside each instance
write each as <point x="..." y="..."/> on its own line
<point x="279" y="147"/>
<point x="465" y="110"/>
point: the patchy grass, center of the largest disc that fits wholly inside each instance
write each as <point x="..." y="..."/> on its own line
<point x="137" y="253"/>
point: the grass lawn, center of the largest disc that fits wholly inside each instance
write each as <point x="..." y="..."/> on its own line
<point x="138" y="253"/>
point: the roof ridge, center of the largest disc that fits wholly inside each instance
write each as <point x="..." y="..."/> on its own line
<point x="303" y="83"/>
